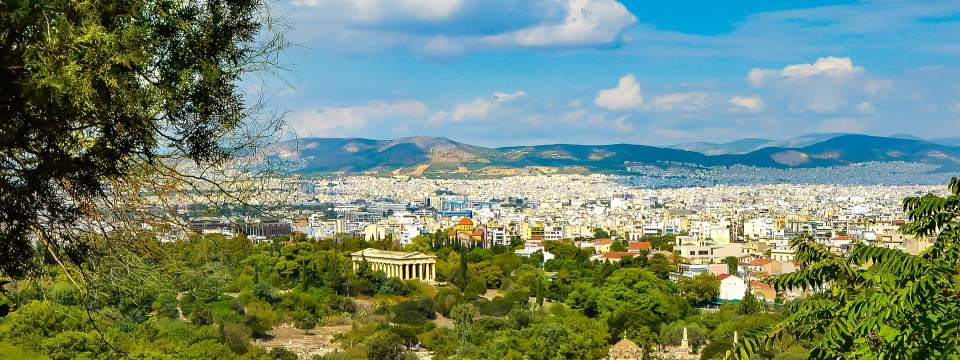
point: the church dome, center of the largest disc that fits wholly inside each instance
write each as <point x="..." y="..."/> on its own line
<point x="625" y="344"/>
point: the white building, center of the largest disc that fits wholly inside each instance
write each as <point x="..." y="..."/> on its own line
<point x="732" y="287"/>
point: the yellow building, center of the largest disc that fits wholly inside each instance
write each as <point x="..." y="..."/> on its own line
<point x="465" y="230"/>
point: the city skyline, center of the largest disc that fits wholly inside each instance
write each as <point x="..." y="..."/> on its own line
<point x="605" y="71"/>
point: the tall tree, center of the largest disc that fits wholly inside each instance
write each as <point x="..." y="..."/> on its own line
<point x="878" y="303"/>
<point x="733" y="263"/>
<point x="95" y="92"/>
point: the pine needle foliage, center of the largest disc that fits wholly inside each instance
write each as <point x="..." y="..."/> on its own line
<point x="876" y="302"/>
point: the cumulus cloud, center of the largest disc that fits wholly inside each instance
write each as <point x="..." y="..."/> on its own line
<point x="343" y="121"/>
<point x="749" y="103"/>
<point x="586" y="22"/>
<point x="372" y="11"/>
<point x="824" y="86"/>
<point x="687" y="101"/>
<point x="480" y="108"/>
<point x="826" y="65"/>
<point x="866" y="107"/>
<point x="626" y="96"/>
<point x="503" y="97"/>
<point x="450" y="27"/>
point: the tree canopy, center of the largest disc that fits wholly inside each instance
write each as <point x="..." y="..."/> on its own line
<point x="92" y="91"/>
<point x="876" y="302"/>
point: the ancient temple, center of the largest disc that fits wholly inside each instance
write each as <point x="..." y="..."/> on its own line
<point x="403" y="265"/>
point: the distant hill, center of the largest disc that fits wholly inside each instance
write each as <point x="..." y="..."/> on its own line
<point x="849" y="149"/>
<point x="948" y="141"/>
<point x="439" y="156"/>
<point x="741" y="146"/>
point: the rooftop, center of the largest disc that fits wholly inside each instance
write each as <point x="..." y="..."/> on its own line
<point x="377" y="253"/>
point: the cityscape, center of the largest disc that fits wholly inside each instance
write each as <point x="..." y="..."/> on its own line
<point x="463" y="179"/>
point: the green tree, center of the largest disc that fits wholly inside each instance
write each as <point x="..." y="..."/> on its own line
<point x="700" y="289"/>
<point x="881" y="303"/>
<point x="260" y="317"/>
<point x="599" y="233"/>
<point x="97" y="93"/>
<point x="384" y="345"/>
<point x="660" y="265"/>
<point x="463" y="316"/>
<point x="619" y="245"/>
<point x="305" y="321"/>
<point x="281" y="353"/>
<point x="733" y="263"/>
<point x="749" y="304"/>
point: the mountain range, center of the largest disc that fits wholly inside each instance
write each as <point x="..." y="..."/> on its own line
<point x="440" y="156"/>
<point x="743" y="146"/>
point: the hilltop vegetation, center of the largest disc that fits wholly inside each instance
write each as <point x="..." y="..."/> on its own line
<point x="218" y="294"/>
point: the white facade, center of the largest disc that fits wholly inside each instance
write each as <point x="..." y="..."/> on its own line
<point x="732" y="287"/>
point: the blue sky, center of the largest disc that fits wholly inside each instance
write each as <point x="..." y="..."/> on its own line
<point x="512" y="72"/>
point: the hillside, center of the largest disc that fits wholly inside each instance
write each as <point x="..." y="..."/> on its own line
<point x="437" y="156"/>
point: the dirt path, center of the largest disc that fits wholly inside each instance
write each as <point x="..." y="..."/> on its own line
<point x="318" y="342"/>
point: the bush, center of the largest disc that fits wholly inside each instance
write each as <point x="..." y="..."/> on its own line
<point x="166" y="305"/>
<point x="384" y="345"/>
<point x="235" y="336"/>
<point x="259" y="318"/>
<point x="414" y="311"/>
<point x="281" y="353"/>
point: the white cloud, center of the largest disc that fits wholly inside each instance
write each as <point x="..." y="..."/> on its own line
<point x="620" y="124"/>
<point x="866" y="107"/>
<point x="586" y="22"/>
<point x="626" y="96"/>
<point x="821" y="87"/>
<point x="877" y="86"/>
<point x="955" y="107"/>
<point x="829" y="65"/>
<point x="750" y="103"/>
<point x="688" y="101"/>
<point x="342" y="121"/>
<point x="757" y="77"/>
<point x="480" y="108"/>
<point x="451" y="27"/>
<point x="373" y="11"/>
<point x="499" y="96"/>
